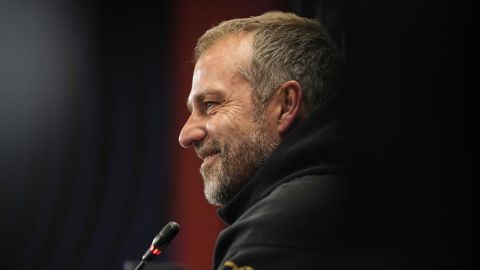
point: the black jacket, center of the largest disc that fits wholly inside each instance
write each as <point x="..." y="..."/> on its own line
<point x="293" y="213"/>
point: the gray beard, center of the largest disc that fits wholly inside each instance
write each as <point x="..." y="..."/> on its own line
<point x="238" y="163"/>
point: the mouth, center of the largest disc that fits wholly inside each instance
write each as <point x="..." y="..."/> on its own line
<point x="208" y="157"/>
<point x="208" y="153"/>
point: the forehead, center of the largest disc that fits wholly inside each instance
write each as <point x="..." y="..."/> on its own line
<point x="217" y="69"/>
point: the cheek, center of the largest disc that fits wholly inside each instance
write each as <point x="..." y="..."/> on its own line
<point x="222" y="126"/>
<point x="219" y="126"/>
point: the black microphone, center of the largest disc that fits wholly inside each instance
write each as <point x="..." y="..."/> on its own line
<point x="159" y="243"/>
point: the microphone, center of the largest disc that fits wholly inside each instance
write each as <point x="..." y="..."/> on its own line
<point x="159" y="243"/>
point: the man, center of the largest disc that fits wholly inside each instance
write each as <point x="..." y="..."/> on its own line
<point x="265" y="121"/>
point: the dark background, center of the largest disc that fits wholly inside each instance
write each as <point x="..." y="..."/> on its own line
<point x="92" y="97"/>
<point x="415" y="132"/>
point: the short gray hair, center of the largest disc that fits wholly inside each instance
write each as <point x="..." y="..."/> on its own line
<point x="285" y="47"/>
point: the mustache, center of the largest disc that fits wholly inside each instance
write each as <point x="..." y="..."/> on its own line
<point x="204" y="149"/>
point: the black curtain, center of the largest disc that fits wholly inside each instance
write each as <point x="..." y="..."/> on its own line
<point x="84" y="146"/>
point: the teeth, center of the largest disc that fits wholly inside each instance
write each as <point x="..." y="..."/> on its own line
<point x="208" y="157"/>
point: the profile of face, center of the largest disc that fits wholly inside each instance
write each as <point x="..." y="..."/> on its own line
<point x="224" y="128"/>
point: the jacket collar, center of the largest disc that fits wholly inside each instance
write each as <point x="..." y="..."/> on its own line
<point x="316" y="146"/>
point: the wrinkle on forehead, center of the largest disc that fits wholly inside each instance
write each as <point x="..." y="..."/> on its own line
<point x="238" y="46"/>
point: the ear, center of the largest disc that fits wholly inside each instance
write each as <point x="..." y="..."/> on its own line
<point x="291" y="100"/>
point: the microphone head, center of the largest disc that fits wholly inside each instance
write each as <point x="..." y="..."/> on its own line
<point x="166" y="235"/>
<point x="161" y="241"/>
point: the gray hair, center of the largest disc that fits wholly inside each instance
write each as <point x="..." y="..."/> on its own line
<point x="285" y="47"/>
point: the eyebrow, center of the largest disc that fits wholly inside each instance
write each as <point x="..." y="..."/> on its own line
<point x="201" y="96"/>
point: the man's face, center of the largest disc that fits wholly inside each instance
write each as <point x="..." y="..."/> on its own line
<point x="223" y="128"/>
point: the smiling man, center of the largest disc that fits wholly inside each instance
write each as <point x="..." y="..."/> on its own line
<point x="224" y="128"/>
<point x="265" y="121"/>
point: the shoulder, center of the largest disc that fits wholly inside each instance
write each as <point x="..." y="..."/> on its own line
<point x="307" y="212"/>
<point x="303" y="218"/>
<point x="307" y="194"/>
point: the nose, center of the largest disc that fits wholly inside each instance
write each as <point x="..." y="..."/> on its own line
<point x="193" y="131"/>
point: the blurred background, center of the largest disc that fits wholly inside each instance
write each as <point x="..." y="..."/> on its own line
<point x="92" y="97"/>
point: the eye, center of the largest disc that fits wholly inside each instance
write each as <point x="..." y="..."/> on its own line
<point x="208" y="105"/>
